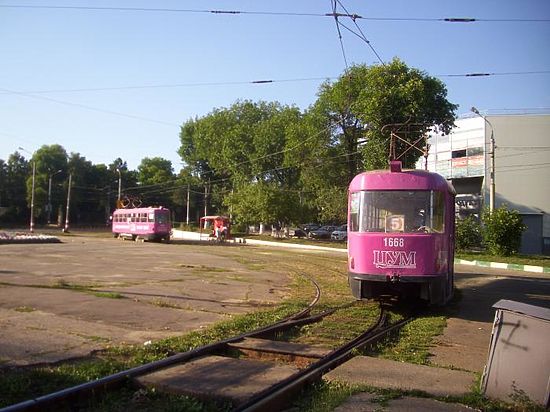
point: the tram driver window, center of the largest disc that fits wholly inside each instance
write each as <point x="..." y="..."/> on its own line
<point x="162" y="218"/>
<point x="420" y="211"/>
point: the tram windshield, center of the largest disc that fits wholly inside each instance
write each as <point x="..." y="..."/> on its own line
<point x="420" y="211"/>
<point x="162" y="218"/>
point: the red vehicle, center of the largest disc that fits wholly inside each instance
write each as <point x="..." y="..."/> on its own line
<point x="144" y="223"/>
<point x="220" y="227"/>
<point x="401" y="234"/>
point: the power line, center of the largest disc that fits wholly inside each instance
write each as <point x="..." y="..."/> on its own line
<point x="254" y="82"/>
<point x="83" y="106"/>
<point x="339" y="32"/>
<point x="272" y="13"/>
<point x="487" y="74"/>
<point x="173" y="85"/>
<point x="361" y="35"/>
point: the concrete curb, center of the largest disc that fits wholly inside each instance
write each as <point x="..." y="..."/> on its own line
<point x="20" y="237"/>
<point x="294" y="246"/>
<point x="500" y="265"/>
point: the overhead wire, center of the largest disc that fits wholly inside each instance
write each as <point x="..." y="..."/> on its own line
<point x="83" y="106"/>
<point x="253" y="82"/>
<point x="339" y="32"/>
<point x="361" y="35"/>
<point x="173" y="85"/>
<point x="278" y="13"/>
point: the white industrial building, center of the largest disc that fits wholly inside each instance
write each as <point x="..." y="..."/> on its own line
<point x="521" y="168"/>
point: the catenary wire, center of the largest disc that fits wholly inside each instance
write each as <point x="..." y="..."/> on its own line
<point x="83" y="106"/>
<point x="339" y="33"/>
<point x="361" y="35"/>
<point x="254" y="82"/>
<point x="283" y="14"/>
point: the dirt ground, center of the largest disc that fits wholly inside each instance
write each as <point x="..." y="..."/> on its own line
<point x="60" y="301"/>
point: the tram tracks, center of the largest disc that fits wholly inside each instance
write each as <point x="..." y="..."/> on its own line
<point x="270" y="397"/>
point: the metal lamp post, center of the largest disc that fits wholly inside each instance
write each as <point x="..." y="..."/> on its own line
<point x="492" y="163"/>
<point x="31" y="224"/>
<point x="66" y="228"/>
<point x="50" y="194"/>
<point x="119" y="187"/>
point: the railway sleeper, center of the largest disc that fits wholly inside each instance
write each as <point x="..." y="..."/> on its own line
<point x="218" y="378"/>
<point x="236" y="380"/>
<point x="298" y="354"/>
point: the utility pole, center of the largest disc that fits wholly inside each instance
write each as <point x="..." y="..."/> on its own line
<point x="205" y="200"/>
<point x="50" y="194"/>
<point x="492" y="161"/>
<point x="187" y="218"/>
<point x="32" y="196"/>
<point x="119" y="187"/>
<point x="31" y="224"/>
<point x="66" y="229"/>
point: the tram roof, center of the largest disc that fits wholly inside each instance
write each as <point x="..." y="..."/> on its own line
<point x="413" y="179"/>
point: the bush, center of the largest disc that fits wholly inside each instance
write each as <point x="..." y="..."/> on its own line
<point x="502" y="231"/>
<point x="467" y="233"/>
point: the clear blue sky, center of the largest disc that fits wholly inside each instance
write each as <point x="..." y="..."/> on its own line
<point x="205" y="60"/>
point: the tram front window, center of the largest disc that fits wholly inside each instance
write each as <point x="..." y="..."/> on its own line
<point x="390" y="211"/>
<point x="162" y="218"/>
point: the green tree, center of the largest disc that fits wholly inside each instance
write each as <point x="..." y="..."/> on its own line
<point x="15" y="193"/>
<point x="347" y="130"/>
<point x="395" y="94"/>
<point x="241" y="150"/>
<point x="156" y="181"/>
<point x="3" y="182"/>
<point x="502" y="231"/>
<point x="48" y="159"/>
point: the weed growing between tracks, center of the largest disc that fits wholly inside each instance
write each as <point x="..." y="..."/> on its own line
<point x="414" y="340"/>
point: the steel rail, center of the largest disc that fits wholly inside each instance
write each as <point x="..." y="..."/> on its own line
<point x="110" y="381"/>
<point x="276" y="396"/>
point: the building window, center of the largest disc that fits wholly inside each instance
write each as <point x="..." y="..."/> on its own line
<point x="459" y="153"/>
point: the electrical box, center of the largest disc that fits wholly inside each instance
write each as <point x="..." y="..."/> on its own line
<point x="518" y="366"/>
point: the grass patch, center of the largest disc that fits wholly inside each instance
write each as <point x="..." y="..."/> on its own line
<point x="24" y="309"/>
<point x="109" y="295"/>
<point x="517" y="259"/>
<point x="324" y="397"/>
<point x="414" y="340"/>
<point x="329" y="332"/>
<point x="164" y="304"/>
<point x="63" y="284"/>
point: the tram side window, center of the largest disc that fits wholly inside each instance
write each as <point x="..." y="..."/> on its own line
<point x="355" y="199"/>
<point x="438" y="216"/>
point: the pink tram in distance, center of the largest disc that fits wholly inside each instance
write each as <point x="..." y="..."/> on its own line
<point x="401" y="235"/>
<point x="146" y="223"/>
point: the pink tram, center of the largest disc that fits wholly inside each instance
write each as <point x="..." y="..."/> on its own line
<point x="147" y="223"/>
<point x="401" y="235"/>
